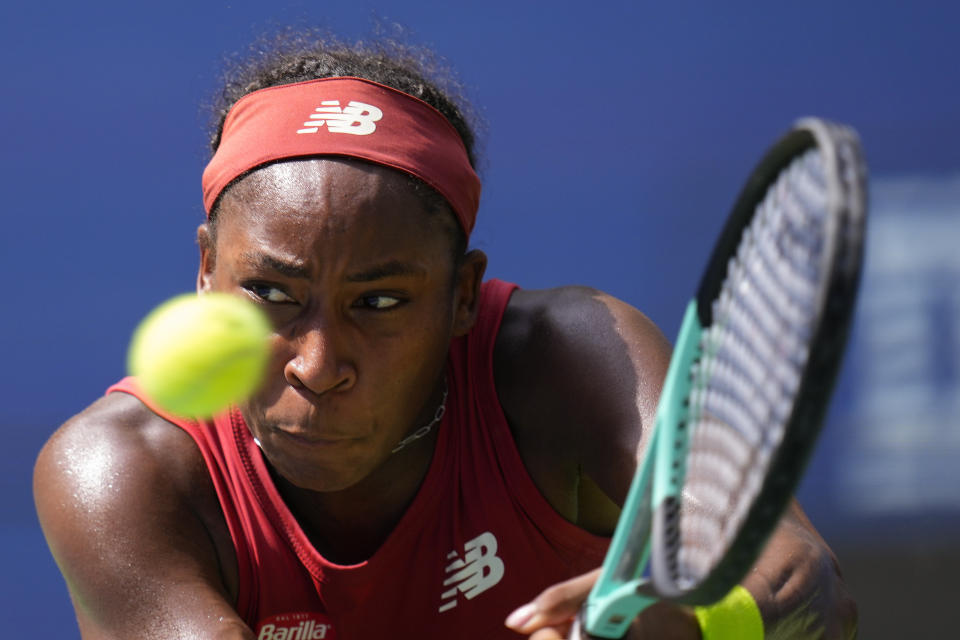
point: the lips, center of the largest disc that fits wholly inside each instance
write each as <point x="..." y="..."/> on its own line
<point x="307" y="439"/>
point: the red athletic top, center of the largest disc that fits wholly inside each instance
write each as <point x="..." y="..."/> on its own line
<point x="477" y="541"/>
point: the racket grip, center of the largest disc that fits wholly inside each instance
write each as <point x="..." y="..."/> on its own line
<point x="576" y="629"/>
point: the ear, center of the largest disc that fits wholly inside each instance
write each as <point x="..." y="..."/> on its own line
<point x="467" y="295"/>
<point x="208" y="258"/>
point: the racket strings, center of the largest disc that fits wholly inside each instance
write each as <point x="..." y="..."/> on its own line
<point x="752" y="361"/>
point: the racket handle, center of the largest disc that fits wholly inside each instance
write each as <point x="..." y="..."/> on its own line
<point x="576" y="632"/>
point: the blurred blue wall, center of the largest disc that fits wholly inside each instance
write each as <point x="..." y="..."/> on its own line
<point x="618" y="134"/>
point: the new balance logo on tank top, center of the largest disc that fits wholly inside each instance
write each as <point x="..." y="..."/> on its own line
<point x="477" y="541"/>
<point x="478" y="570"/>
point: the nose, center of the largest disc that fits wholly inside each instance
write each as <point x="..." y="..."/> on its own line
<point x="318" y="362"/>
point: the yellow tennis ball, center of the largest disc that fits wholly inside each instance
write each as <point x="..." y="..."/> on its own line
<point x="196" y="355"/>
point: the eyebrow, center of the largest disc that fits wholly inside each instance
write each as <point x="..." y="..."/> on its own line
<point x="298" y="269"/>
<point x="390" y="269"/>
<point x="289" y="268"/>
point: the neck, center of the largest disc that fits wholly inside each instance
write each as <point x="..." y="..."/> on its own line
<point x="348" y="526"/>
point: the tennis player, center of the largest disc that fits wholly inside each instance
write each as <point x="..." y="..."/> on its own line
<point x="431" y="455"/>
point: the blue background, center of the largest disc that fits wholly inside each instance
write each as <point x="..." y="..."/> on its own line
<point x="617" y="135"/>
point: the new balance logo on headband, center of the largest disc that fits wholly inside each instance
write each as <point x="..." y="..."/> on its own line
<point x="356" y="118"/>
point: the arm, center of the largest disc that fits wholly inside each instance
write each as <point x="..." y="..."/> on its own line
<point x="582" y="371"/>
<point x="131" y="518"/>
<point x="798" y="585"/>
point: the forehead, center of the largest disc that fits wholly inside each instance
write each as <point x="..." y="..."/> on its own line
<point x="309" y="186"/>
<point x="316" y="199"/>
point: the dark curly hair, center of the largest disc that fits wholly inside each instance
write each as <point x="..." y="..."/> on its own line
<point x="297" y="55"/>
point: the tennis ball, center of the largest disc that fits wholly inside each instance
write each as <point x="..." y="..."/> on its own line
<point x="195" y="355"/>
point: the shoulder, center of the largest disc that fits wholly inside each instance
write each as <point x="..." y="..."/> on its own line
<point x="126" y="504"/>
<point x="117" y="437"/>
<point x="580" y="315"/>
<point x="579" y="374"/>
<point x="581" y="340"/>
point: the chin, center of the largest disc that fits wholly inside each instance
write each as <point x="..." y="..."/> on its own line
<point x="330" y="469"/>
<point x="321" y="483"/>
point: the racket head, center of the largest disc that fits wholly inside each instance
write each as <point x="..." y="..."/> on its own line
<point x="703" y="542"/>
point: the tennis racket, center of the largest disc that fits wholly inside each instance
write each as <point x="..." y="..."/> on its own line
<point x="748" y="385"/>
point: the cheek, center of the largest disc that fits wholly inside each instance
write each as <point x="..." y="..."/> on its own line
<point x="279" y="356"/>
<point x="388" y="355"/>
<point x="387" y="360"/>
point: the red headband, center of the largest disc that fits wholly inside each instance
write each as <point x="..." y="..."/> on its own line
<point x="345" y="117"/>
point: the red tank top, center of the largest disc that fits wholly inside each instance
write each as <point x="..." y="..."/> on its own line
<point x="477" y="541"/>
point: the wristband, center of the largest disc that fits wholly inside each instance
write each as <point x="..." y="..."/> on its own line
<point x="736" y="617"/>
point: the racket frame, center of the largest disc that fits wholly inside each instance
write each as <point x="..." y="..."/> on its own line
<point x="650" y="512"/>
<point x="619" y="595"/>
<point x="845" y="175"/>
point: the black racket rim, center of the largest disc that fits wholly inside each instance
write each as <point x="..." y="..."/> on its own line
<point x="816" y="383"/>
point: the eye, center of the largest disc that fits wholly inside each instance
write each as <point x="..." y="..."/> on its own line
<point x="378" y="302"/>
<point x="268" y="293"/>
